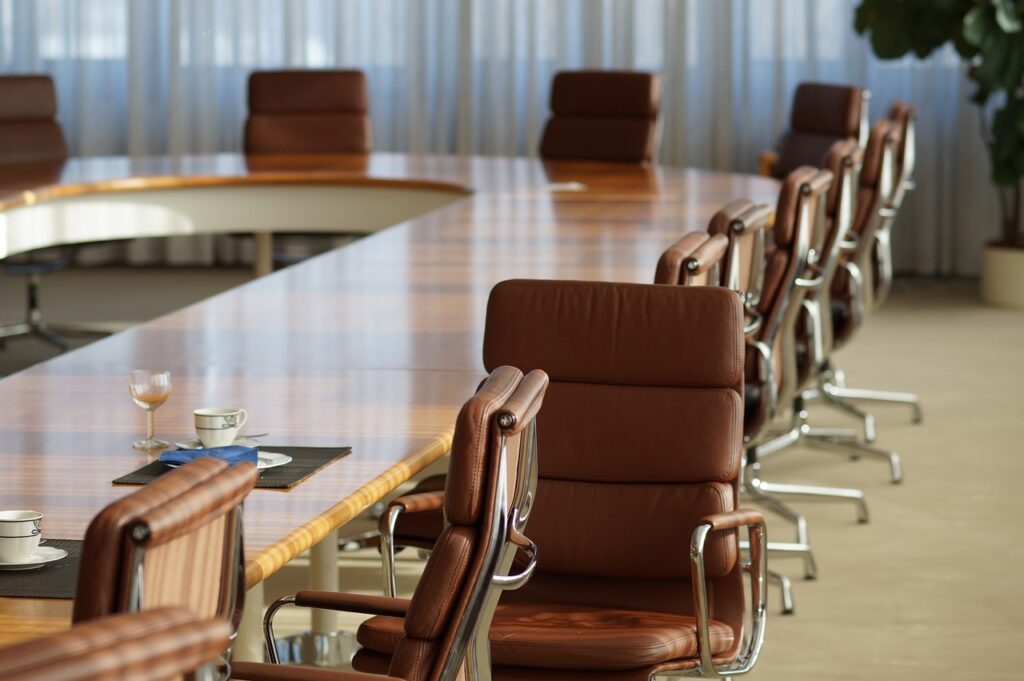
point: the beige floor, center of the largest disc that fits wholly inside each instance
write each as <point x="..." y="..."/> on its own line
<point x="931" y="588"/>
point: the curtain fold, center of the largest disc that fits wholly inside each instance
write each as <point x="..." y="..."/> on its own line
<point x="471" y="77"/>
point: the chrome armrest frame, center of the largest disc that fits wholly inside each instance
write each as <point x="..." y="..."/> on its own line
<point x="387" y="549"/>
<point x="815" y="333"/>
<point x="753" y="325"/>
<point x="857" y="293"/>
<point x="768" y="371"/>
<point x="747" y="658"/>
<point x="812" y="284"/>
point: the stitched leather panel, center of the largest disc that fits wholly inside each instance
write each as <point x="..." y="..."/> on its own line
<point x="628" y="531"/>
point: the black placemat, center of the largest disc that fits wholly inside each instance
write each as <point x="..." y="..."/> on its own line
<point x="305" y="462"/>
<point x="55" y="580"/>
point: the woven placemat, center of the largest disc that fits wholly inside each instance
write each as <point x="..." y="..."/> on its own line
<point x="55" y="580"/>
<point x="305" y="462"/>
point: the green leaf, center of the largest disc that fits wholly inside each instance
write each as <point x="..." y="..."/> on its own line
<point x="890" y="39"/>
<point x="976" y="25"/>
<point x="1006" y="17"/>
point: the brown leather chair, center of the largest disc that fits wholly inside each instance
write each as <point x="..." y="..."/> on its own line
<point x="641" y="440"/>
<point x="442" y="631"/>
<point x="32" y="144"/>
<point x="304" y="112"/>
<point x="157" y="645"/>
<point x="176" y="541"/>
<point x="602" y="116"/>
<point x="821" y="114"/>
<point x="308" y="112"/>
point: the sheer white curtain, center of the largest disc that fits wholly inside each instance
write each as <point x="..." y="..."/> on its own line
<point x="471" y="76"/>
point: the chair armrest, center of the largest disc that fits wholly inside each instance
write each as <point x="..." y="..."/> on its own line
<point x="812" y="284"/>
<point x="766" y="163"/>
<point x="730" y="520"/>
<point x="258" y="671"/>
<point x="753" y="321"/>
<point x="707" y="255"/>
<point x="346" y="602"/>
<point x="767" y="366"/>
<point x="417" y="503"/>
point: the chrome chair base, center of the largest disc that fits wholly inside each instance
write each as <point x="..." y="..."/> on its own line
<point x="832" y="439"/>
<point x="764" y="492"/>
<point x="833" y="390"/>
<point x="785" y="588"/>
<point x="53" y="334"/>
<point x="909" y="399"/>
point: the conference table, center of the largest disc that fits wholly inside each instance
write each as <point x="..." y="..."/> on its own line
<point x="374" y="345"/>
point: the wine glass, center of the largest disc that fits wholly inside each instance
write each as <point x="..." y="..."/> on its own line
<point x="149" y="389"/>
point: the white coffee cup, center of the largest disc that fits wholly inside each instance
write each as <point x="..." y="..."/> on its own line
<point x="219" y="427"/>
<point x="19" y="535"/>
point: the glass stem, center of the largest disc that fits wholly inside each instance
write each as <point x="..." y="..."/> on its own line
<point x="149" y="424"/>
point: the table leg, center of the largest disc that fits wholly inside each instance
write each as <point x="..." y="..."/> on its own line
<point x="323" y="567"/>
<point x="249" y="644"/>
<point x="263" y="253"/>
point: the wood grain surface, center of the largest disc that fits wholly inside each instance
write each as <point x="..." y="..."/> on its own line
<point x="374" y="345"/>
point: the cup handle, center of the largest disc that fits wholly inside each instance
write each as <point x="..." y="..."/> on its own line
<point x="244" y="417"/>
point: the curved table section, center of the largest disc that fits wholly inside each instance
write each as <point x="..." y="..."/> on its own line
<point x="375" y="344"/>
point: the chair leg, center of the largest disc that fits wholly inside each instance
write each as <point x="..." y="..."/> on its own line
<point x="44" y="332"/>
<point x="828" y="394"/>
<point x="909" y="399"/>
<point x="791" y="550"/>
<point x="858" y="449"/>
<point x="753" y="487"/>
<point x="786" y="589"/>
<point x="387" y="549"/>
<point x="33" y="324"/>
<point x="819" y="493"/>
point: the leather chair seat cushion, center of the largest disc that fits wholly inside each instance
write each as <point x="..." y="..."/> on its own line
<point x="421" y="528"/>
<point x="842" y="321"/>
<point x="31" y="141"/>
<point x="646" y="329"/>
<point x="607" y="543"/>
<point x="307" y="133"/>
<point x="826" y="108"/>
<point x="751" y="405"/>
<point x="598" y="138"/>
<point x="554" y="636"/>
<point x="709" y="417"/>
<point x="802" y="149"/>
<point x="606" y="93"/>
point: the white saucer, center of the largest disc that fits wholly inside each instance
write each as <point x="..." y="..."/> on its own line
<point x="194" y="443"/>
<point x="265" y="460"/>
<point x="42" y="556"/>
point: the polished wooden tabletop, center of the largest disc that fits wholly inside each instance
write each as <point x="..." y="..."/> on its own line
<point x="373" y="345"/>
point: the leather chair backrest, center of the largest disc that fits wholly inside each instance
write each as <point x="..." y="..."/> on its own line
<point x="157" y="645"/>
<point x="308" y="112"/>
<point x="602" y="116"/>
<point x="821" y="114"/>
<point x="640" y="437"/>
<point x="29" y="131"/>
<point x="183" y="531"/>
<point x="457" y="572"/>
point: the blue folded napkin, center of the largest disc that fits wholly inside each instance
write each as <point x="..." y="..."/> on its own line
<point x="231" y="454"/>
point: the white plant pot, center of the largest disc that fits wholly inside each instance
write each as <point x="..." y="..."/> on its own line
<point x="1002" y="276"/>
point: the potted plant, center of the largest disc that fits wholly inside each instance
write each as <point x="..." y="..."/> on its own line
<point x="989" y="36"/>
